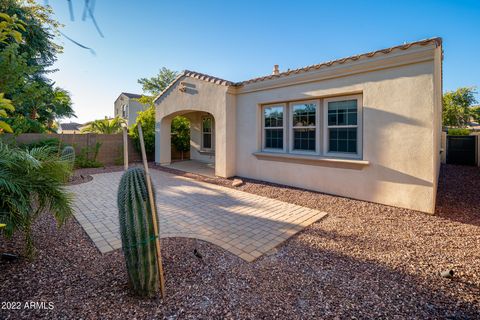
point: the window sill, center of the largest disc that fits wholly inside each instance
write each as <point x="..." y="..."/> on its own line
<point x="313" y="160"/>
<point x="207" y="152"/>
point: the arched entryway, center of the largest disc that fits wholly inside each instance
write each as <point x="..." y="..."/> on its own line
<point x="202" y="142"/>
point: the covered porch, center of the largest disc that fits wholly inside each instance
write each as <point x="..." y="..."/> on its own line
<point x="211" y="112"/>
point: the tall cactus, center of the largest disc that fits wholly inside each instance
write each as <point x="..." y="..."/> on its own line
<point x="68" y="155"/>
<point x="136" y="229"/>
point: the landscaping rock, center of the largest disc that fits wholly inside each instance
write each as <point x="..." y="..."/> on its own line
<point x="237" y="182"/>
<point x="364" y="261"/>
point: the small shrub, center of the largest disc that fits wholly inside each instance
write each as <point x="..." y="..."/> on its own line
<point x="459" y="132"/>
<point x="88" y="157"/>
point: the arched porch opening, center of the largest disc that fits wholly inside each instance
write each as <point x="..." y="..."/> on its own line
<point x="202" y="142"/>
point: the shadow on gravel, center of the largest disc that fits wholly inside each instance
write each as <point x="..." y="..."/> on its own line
<point x="458" y="195"/>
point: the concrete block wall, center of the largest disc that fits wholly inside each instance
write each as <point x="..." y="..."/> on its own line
<point x="110" y="152"/>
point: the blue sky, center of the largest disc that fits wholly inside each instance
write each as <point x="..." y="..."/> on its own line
<point x="238" y="40"/>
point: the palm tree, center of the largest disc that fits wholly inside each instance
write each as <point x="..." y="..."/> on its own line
<point x="105" y="126"/>
<point x="31" y="183"/>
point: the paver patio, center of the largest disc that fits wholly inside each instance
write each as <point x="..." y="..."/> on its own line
<point x="242" y="223"/>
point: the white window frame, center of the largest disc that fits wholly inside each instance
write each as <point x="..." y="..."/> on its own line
<point x="316" y="127"/>
<point x="212" y="134"/>
<point x="124" y="111"/>
<point x="359" y="126"/>
<point x="284" y="122"/>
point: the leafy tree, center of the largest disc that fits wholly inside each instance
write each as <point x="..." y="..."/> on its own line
<point x="5" y="105"/>
<point x="476" y="113"/>
<point x="181" y="134"/>
<point x="457" y="109"/>
<point x="31" y="183"/>
<point x="9" y="27"/>
<point x="147" y="120"/>
<point x="25" y="64"/>
<point x="105" y="126"/>
<point x="154" y="85"/>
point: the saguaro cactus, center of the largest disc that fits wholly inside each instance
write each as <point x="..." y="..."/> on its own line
<point x="137" y="232"/>
<point x="68" y="155"/>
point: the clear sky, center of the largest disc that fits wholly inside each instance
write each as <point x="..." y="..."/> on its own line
<point x="238" y="40"/>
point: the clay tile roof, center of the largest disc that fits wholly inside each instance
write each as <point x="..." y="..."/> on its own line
<point x="206" y="77"/>
<point x="70" y="126"/>
<point x="132" y="95"/>
<point x="436" y="41"/>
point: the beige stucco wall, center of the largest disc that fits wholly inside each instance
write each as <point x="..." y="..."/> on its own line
<point x="398" y="108"/>
<point x="401" y="94"/>
<point x="133" y="107"/>
<point x="200" y="96"/>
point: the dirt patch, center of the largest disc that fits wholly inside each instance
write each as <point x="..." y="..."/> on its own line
<point x="78" y="179"/>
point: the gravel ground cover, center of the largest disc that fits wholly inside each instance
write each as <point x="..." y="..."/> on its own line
<point x="363" y="261"/>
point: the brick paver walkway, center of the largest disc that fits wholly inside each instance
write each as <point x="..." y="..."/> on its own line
<point x="242" y="223"/>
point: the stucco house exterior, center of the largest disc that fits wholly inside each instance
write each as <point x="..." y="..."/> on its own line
<point x="366" y="127"/>
<point x="127" y="107"/>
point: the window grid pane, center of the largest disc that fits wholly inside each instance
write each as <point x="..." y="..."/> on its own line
<point x="274" y="138"/>
<point x="207" y="140"/>
<point x="304" y="139"/>
<point x="342" y="113"/>
<point x="273" y="116"/>
<point x="342" y="140"/>
<point x="303" y="115"/>
<point x="207" y="125"/>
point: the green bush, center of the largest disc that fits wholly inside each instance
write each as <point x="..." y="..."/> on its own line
<point x="147" y="119"/>
<point x="181" y="133"/>
<point x="459" y="132"/>
<point x="88" y="157"/>
<point x="31" y="183"/>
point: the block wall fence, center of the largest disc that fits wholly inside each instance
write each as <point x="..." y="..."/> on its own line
<point x="110" y="152"/>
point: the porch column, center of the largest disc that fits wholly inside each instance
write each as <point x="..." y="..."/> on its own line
<point x="162" y="141"/>
<point x="225" y="139"/>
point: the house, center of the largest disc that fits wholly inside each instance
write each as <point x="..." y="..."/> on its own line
<point x="366" y="127"/>
<point x="69" y="128"/>
<point x="127" y="107"/>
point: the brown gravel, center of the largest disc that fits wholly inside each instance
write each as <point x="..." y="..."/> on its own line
<point x="364" y="260"/>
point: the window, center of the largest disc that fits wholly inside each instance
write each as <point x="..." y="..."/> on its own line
<point x="207" y="132"/>
<point x="304" y="126"/>
<point x="273" y="124"/>
<point x="342" y="127"/>
<point x="124" y="111"/>
<point x="328" y="127"/>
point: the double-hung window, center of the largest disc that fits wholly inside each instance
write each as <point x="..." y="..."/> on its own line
<point x="207" y="133"/>
<point x="273" y="127"/>
<point x="343" y="123"/>
<point x="320" y="127"/>
<point x="304" y="126"/>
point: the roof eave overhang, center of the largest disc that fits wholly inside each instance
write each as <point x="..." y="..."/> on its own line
<point x="398" y="58"/>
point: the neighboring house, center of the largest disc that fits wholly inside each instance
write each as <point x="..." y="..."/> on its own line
<point x="127" y="107"/>
<point x="366" y="127"/>
<point x="71" y="127"/>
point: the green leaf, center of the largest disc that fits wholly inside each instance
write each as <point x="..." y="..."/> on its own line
<point x="5" y="127"/>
